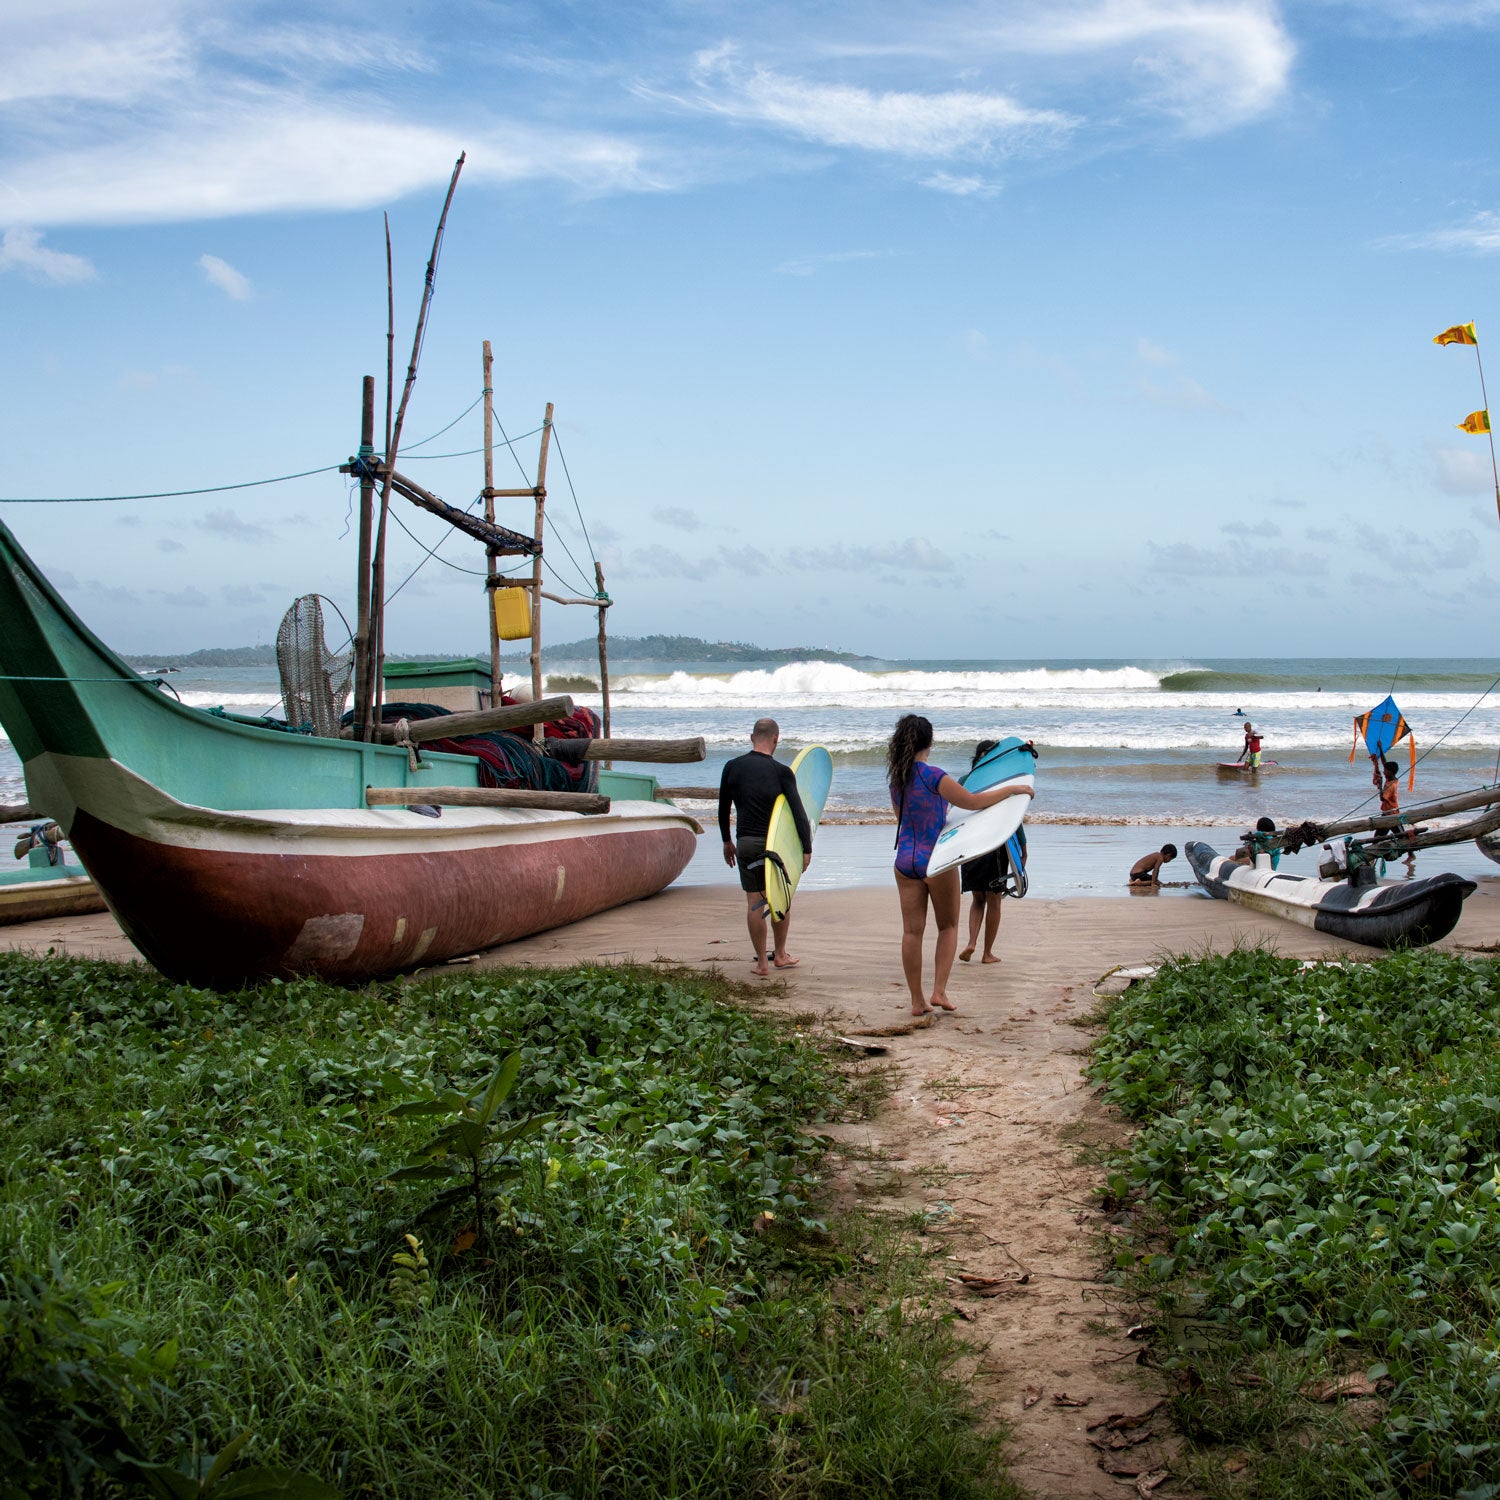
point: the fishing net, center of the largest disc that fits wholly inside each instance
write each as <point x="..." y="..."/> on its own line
<point x="314" y="680"/>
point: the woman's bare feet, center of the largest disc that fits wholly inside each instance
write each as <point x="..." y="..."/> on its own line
<point x="967" y="954"/>
<point x="990" y="958"/>
<point x="942" y="1002"/>
<point x="924" y="1009"/>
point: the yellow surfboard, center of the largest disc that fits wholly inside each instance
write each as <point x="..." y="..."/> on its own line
<point x="813" y="769"/>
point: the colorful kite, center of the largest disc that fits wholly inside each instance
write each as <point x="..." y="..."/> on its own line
<point x="1382" y="728"/>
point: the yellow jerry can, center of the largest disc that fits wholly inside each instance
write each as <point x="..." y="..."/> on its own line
<point x="512" y="613"/>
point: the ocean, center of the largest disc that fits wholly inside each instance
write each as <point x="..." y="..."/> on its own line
<point x="1131" y="745"/>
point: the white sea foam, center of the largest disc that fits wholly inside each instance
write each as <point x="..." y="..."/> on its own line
<point x="231" y="700"/>
<point x="835" y="683"/>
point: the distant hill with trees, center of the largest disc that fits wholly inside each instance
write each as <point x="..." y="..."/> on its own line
<point x="621" y="648"/>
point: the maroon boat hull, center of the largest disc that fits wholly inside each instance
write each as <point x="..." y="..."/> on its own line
<point x="225" y="918"/>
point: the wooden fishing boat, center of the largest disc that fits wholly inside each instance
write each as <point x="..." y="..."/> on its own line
<point x="231" y="852"/>
<point x="30" y="894"/>
<point x="1379" y="914"/>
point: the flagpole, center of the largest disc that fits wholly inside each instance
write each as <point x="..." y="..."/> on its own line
<point x="1484" y="396"/>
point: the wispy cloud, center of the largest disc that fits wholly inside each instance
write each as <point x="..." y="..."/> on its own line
<point x="22" y="250"/>
<point x="678" y="516"/>
<point x="808" y="265"/>
<point x="1184" y="393"/>
<point x="1212" y="64"/>
<point x="1480" y="235"/>
<point x="900" y="122"/>
<point x="961" y="186"/>
<point x="1462" y="471"/>
<point x="1153" y="354"/>
<point x="228" y="523"/>
<point x="234" y="284"/>
<point x="1265" y="529"/>
<point x="1212" y="562"/>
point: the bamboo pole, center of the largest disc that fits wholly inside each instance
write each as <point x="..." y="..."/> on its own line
<point x="603" y="644"/>
<point x="1484" y="396"/>
<point x="361" y="718"/>
<point x="483" y="721"/>
<point x="491" y="554"/>
<point x="1386" y="822"/>
<point x="484" y="796"/>
<point x="393" y="445"/>
<point x="19" y="812"/>
<point x="536" y="564"/>
<point x="1393" y="845"/>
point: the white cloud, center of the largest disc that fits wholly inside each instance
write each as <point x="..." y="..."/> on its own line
<point x="1462" y="471"/>
<point x="974" y="343"/>
<point x="806" y="265"/>
<point x="229" y="523"/>
<point x="234" y="284"/>
<point x="22" y="250"/>
<point x="1232" y="561"/>
<point x="1481" y="234"/>
<point x="961" y="187"/>
<point x="897" y="122"/>
<point x="1153" y="354"/>
<point x="1184" y="393"/>
<point x="676" y="515"/>
<point x="237" y="158"/>
<point x="1268" y="529"/>
<point x="1212" y="64"/>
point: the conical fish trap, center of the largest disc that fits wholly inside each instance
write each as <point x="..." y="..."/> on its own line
<point x="314" y="680"/>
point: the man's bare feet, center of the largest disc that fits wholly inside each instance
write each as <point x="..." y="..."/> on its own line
<point x="942" y="1002"/>
<point x="967" y="954"/>
<point x="990" y="958"/>
<point x="760" y="970"/>
<point x="922" y="1010"/>
<point x="786" y="962"/>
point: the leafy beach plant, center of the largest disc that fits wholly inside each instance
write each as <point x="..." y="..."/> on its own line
<point x="471" y="1152"/>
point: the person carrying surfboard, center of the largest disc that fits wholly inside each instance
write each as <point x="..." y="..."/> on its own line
<point x="921" y="794"/>
<point x="750" y="785"/>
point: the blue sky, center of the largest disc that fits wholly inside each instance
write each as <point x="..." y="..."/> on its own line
<point x="1076" y="328"/>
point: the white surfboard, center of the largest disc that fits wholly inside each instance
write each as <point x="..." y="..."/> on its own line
<point x="967" y="835"/>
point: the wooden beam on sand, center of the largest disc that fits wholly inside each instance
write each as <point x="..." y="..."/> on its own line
<point x="482" y="721"/>
<point x="20" y="812"/>
<point x="700" y="793"/>
<point x="1395" y="845"/>
<point x="484" y="796"/>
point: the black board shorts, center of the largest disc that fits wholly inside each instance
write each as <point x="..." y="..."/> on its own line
<point x="985" y="874"/>
<point x="750" y="855"/>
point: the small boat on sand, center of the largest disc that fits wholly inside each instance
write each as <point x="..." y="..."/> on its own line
<point x="231" y="852"/>
<point x="1379" y="914"/>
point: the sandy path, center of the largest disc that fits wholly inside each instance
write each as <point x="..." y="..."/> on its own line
<point x="982" y="1129"/>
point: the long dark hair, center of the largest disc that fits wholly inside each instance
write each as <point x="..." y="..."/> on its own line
<point x="912" y="735"/>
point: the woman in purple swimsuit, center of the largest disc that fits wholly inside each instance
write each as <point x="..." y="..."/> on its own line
<point x="920" y="794"/>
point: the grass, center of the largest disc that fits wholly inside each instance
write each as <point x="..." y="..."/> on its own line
<point x="204" y="1244"/>
<point x="1315" y="1191"/>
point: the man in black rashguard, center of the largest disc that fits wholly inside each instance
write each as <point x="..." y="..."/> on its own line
<point x="751" y="784"/>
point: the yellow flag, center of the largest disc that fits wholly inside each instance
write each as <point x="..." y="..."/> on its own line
<point x="1476" y="421"/>
<point x="1460" y="333"/>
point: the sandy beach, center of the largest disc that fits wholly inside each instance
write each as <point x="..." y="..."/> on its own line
<point x="982" y="1129"/>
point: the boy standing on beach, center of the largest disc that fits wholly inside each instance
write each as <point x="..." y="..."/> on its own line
<point x="751" y="783"/>
<point x="1390" y="787"/>
<point x="1250" y="754"/>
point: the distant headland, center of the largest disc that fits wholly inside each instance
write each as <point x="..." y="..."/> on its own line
<point x="633" y="648"/>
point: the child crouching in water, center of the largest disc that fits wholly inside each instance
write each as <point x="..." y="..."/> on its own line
<point x="1147" y="869"/>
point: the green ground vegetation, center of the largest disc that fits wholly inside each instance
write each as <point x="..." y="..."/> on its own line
<point x="1314" y="1195"/>
<point x="534" y="1234"/>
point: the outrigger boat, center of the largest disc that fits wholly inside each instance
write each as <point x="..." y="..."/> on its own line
<point x="45" y="884"/>
<point x="232" y="852"/>
<point x="1377" y="913"/>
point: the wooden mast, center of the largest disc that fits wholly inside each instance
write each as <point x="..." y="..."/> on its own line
<point x="491" y="554"/>
<point x="536" y="564"/>
<point x="362" y="582"/>
<point x="603" y="645"/>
